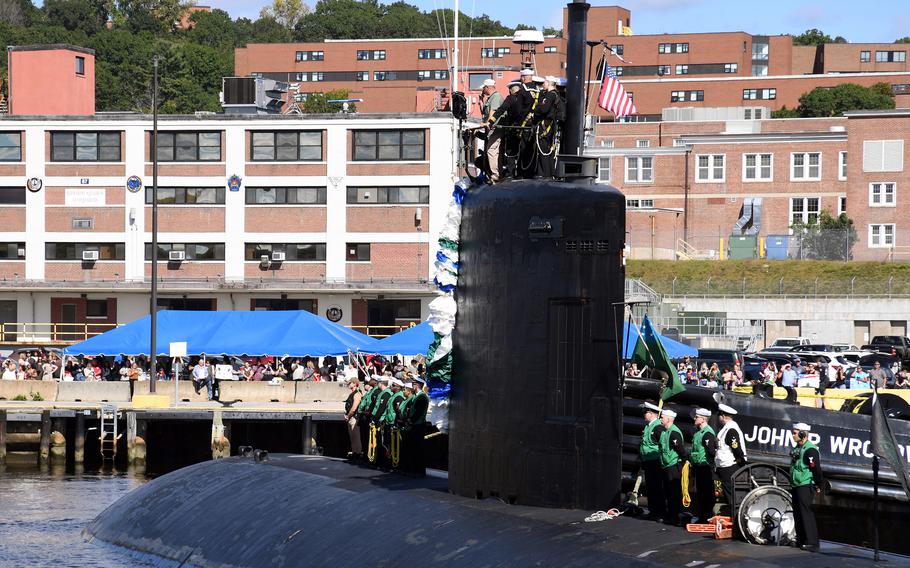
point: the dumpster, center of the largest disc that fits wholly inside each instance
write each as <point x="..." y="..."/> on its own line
<point x="743" y="247"/>
<point x="777" y="247"/>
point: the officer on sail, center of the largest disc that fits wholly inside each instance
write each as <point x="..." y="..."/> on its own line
<point x="731" y="450"/>
<point x="806" y="480"/>
<point x="649" y="455"/>
<point x="672" y="455"/>
<point x="704" y="447"/>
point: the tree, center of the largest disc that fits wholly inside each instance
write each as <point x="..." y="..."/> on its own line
<point x="828" y="238"/>
<point x="905" y="39"/>
<point x="401" y="19"/>
<point x="263" y="30"/>
<point x="318" y="102"/>
<point x="157" y="16"/>
<point x="286" y="12"/>
<point x="12" y="13"/>
<point x="843" y="98"/>
<point x="214" y="29"/>
<point x="340" y="19"/>
<point x="785" y="112"/>
<point x="840" y="39"/>
<point x="812" y="37"/>
<point x="89" y="16"/>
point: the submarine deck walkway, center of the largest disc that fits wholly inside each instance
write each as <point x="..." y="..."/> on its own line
<point x="311" y="510"/>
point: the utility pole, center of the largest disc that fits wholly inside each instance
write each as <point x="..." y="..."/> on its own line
<point x="153" y="307"/>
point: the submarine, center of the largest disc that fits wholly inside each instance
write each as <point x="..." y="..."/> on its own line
<point x="541" y="422"/>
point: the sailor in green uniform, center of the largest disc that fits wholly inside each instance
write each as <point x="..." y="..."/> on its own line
<point x="672" y="455"/>
<point x="376" y="412"/>
<point x="388" y="419"/>
<point x="649" y="456"/>
<point x="401" y="418"/>
<point x="806" y="480"/>
<point x="704" y="446"/>
<point x="363" y="411"/>
<point x="414" y="430"/>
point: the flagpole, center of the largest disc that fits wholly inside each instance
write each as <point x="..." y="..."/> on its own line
<point x="875" y="506"/>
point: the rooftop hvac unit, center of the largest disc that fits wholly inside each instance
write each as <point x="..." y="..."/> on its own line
<point x="176" y="256"/>
<point x="90" y="255"/>
<point x="253" y="95"/>
<point x="278" y="256"/>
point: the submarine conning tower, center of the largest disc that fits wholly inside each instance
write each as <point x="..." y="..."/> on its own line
<point x="536" y="404"/>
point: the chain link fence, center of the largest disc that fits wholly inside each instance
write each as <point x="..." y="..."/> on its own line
<point x="785" y="287"/>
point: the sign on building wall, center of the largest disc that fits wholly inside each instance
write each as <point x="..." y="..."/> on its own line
<point x="84" y="197"/>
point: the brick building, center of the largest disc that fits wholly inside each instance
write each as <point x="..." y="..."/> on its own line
<point x="690" y="180"/>
<point x="54" y="79"/>
<point x="662" y="70"/>
<point x="333" y="211"/>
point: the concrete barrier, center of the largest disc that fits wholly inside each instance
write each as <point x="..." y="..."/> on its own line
<point x="166" y="388"/>
<point x="9" y="390"/>
<point x="104" y="391"/>
<point x="321" y="391"/>
<point x="256" y="391"/>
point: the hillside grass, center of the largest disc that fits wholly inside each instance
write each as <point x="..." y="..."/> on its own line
<point x="762" y="277"/>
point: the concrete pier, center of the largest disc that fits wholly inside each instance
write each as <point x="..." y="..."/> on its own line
<point x="2" y="438"/>
<point x="57" y="450"/>
<point x="44" y="448"/>
<point x="79" y="439"/>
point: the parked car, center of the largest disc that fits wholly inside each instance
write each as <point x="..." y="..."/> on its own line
<point x="817" y="347"/>
<point x="786" y="343"/>
<point x="725" y="358"/>
<point x="896" y="345"/>
<point x="846" y="346"/>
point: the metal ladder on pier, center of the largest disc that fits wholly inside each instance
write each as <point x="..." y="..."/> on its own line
<point x="109" y="435"/>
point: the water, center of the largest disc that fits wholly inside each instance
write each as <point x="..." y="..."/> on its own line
<point x="42" y="516"/>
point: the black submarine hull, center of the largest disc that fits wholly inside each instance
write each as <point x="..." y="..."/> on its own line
<point x="322" y="512"/>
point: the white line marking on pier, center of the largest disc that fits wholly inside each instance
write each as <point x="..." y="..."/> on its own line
<point x="643" y="554"/>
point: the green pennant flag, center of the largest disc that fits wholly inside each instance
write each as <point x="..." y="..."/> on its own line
<point x="650" y="352"/>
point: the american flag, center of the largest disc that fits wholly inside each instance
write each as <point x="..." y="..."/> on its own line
<point x="613" y="97"/>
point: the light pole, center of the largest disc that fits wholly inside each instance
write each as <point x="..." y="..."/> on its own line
<point x="153" y="308"/>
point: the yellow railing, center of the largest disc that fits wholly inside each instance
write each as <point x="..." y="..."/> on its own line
<point x="35" y="333"/>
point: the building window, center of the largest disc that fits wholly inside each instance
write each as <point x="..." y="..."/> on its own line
<point x="603" y="169"/>
<point x="85" y="146"/>
<point x="865" y="57"/>
<point x="388" y="195"/>
<point x="363" y="75"/>
<point x="639" y="204"/>
<point x="311" y="77"/>
<point x="759" y="70"/>
<point x="80" y="66"/>
<point x="673" y="48"/>
<point x="285" y="195"/>
<point x="881" y="194"/>
<point x="431" y="54"/>
<point x="83" y="223"/>
<point x="804" y="210"/>
<point x="370" y="54"/>
<point x="890" y="56"/>
<point x="710" y="167"/>
<point x="293" y="252"/>
<point x="73" y="251"/>
<point x="683" y="96"/>
<point x="549" y="49"/>
<point x="640" y="169"/>
<point x="842" y="165"/>
<point x="881" y="236"/>
<point x="758" y="167"/>
<point x="10" y="146"/>
<point x="682" y="69"/>
<point x="191" y="251"/>
<point x="731" y="67"/>
<point x="12" y="195"/>
<point x="805" y="166"/>
<point x="310" y="56"/>
<point x="427" y="74"/>
<point x="759" y="51"/>
<point x="663" y="69"/>
<point x="618" y="70"/>
<point x="490" y="52"/>
<point x="883" y="155"/>
<point x="286" y="146"/>
<point x="618" y="49"/>
<point x="12" y="251"/>
<point x="391" y="145"/>
<point x="900" y="89"/>
<point x="841" y="205"/>
<point x="189" y="146"/>
<point x="759" y="94"/>
<point x="357" y="252"/>
<point x="187" y="195"/>
<point x="642" y="143"/>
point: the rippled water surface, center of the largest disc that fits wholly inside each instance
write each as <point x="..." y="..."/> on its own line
<point x="42" y="516"/>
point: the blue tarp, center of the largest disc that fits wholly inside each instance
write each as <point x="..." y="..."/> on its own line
<point x="411" y="341"/>
<point x="674" y="349"/>
<point x="294" y="333"/>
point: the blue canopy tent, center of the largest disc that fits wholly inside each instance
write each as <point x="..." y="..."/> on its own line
<point x="292" y="333"/>
<point x="411" y="341"/>
<point x="674" y="349"/>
